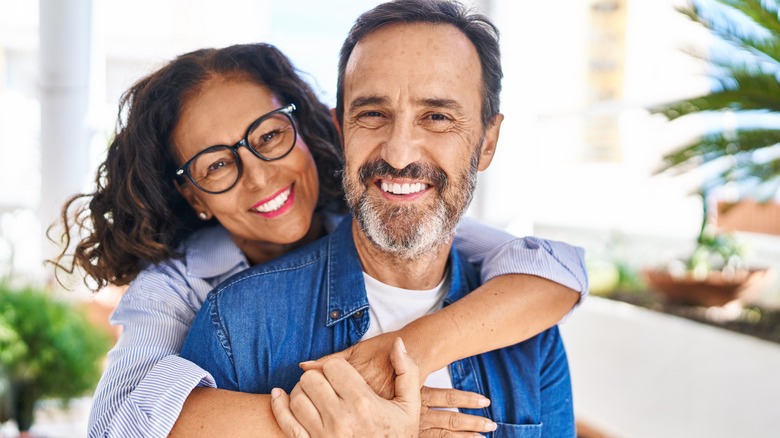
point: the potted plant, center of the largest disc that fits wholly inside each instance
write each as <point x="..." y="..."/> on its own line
<point x="744" y="148"/>
<point x="714" y="274"/>
<point x="48" y="349"/>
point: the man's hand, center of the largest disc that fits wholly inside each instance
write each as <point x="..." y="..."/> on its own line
<point x="436" y="423"/>
<point x="336" y="401"/>
<point x="371" y="358"/>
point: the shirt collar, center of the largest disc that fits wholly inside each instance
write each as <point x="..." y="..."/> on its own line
<point x="347" y="290"/>
<point x="211" y="252"/>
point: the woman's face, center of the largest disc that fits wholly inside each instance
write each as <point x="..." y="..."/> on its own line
<point x="273" y="202"/>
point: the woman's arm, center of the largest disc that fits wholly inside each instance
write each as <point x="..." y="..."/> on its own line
<point x="144" y="380"/>
<point x="530" y="285"/>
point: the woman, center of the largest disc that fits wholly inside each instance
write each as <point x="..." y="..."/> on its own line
<point x="177" y="210"/>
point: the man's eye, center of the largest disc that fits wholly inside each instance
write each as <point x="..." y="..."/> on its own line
<point x="438" y="117"/>
<point x="371" y="114"/>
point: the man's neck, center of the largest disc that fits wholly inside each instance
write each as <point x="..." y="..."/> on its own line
<point x="419" y="273"/>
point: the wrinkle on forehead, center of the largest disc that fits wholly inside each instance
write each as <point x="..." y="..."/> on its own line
<point x="412" y="62"/>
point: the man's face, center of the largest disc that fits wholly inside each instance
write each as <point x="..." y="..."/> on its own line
<point x="413" y="137"/>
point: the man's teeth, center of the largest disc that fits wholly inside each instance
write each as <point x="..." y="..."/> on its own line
<point x="403" y="189"/>
<point x="274" y="204"/>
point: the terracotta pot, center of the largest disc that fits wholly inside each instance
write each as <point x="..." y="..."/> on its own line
<point x="715" y="290"/>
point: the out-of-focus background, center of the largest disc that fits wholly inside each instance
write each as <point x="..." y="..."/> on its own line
<point x="577" y="161"/>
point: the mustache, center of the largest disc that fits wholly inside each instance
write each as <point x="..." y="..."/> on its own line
<point x="434" y="175"/>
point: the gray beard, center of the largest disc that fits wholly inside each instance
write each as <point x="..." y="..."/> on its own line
<point x="407" y="231"/>
<point x="397" y="233"/>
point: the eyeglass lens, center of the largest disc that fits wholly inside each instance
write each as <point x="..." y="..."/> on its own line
<point x="217" y="168"/>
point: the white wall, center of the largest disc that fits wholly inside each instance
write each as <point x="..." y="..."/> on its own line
<point x="638" y="373"/>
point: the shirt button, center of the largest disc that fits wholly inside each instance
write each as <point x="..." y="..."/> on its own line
<point x="358" y="314"/>
<point x="335" y="314"/>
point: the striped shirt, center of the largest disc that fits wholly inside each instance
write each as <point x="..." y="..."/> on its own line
<point x="145" y="384"/>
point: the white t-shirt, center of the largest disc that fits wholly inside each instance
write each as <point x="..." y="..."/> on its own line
<point x="390" y="308"/>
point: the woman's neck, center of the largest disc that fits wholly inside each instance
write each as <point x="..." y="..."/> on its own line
<point x="261" y="252"/>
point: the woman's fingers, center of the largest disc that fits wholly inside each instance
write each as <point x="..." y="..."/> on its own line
<point x="452" y="398"/>
<point x="434" y="422"/>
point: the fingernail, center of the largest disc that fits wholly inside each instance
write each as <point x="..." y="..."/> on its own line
<point x="482" y="402"/>
<point x="490" y="426"/>
<point x="276" y="392"/>
<point x="304" y="363"/>
<point x="403" y="347"/>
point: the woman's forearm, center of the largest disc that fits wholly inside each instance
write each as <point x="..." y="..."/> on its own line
<point x="504" y="311"/>
<point x="210" y="412"/>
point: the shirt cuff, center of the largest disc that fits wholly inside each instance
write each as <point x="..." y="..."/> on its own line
<point x="155" y="404"/>
<point x="555" y="261"/>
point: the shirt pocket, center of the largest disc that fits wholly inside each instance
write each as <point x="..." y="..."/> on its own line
<point x="506" y="430"/>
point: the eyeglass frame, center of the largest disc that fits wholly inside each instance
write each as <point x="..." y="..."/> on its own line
<point x="184" y="169"/>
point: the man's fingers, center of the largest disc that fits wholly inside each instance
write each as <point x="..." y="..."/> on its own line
<point x="280" y="406"/>
<point x="407" y="380"/>
<point x="442" y="433"/>
<point x="319" y="390"/>
<point x="452" y="398"/>
<point x="432" y="419"/>
<point x="345" y="379"/>
<point x="305" y="412"/>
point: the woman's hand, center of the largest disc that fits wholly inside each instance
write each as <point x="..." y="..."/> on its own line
<point x="336" y="401"/>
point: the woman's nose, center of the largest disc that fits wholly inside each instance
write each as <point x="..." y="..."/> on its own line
<point x="257" y="173"/>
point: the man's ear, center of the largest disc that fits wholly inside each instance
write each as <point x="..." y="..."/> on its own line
<point x="336" y="124"/>
<point x="491" y="140"/>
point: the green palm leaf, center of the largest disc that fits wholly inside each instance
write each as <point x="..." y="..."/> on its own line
<point x="746" y="80"/>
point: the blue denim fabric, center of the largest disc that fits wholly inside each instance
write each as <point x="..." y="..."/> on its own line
<point x="256" y="327"/>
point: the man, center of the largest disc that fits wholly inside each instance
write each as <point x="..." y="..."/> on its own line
<point x="418" y="106"/>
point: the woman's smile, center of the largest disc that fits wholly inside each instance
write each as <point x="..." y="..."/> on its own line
<point x="277" y="204"/>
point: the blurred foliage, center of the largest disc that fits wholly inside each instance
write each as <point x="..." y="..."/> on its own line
<point x="746" y="77"/>
<point x="48" y="343"/>
<point x="607" y="277"/>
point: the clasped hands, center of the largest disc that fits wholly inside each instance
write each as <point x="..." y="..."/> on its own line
<point x="373" y="389"/>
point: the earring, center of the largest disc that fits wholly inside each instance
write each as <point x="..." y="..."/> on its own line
<point x="203" y="216"/>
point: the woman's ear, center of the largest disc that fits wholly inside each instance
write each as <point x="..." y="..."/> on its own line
<point x="491" y="140"/>
<point x="187" y="191"/>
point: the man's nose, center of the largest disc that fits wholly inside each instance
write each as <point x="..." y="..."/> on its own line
<point x="402" y="146"/>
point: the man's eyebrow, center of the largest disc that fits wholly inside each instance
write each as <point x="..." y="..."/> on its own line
<point x="444" y="103"/>
<point x="363" y="101"/>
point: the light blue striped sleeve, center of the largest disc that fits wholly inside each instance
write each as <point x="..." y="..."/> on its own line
<point x="145" y="384"/>
<point x="497" y="253"/>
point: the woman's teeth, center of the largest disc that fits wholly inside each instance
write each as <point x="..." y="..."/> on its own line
<point x="403" y="189"/>
<point x="274" y="204"/>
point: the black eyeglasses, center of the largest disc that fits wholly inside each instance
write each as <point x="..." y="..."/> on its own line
<point x="217" y="169"/>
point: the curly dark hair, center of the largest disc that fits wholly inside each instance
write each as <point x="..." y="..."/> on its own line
<point x="136" y="216"/>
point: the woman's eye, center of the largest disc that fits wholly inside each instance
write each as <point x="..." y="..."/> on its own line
<point x="215" y="166"/>
<point x="269" y="136"/>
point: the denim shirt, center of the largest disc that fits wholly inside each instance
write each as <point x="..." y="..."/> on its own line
<point x="255" y="328"/>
